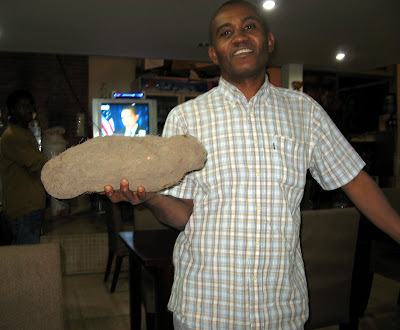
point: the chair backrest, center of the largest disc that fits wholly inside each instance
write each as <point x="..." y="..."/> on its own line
<point x="119" y="217"/>
<point x="31" y="287"/>
<point x="328" y="240"/>
<point x="145" y="220"/>
<point x="386" y="251"/>
<point x="117" y="214"/>
<point x="393" y="196"/>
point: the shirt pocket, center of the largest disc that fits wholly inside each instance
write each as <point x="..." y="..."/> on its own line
<point x="290" y="161"/>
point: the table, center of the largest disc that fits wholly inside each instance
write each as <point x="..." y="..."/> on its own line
<point x="151" y="250"/>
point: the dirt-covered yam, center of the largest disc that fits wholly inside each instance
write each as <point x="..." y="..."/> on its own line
<point x="152" y="162"/>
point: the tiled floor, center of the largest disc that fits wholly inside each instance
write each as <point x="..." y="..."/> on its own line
<point x="89" y="305"/>
<point x="382" y="312"/>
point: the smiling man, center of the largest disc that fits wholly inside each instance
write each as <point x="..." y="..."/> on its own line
<point x="240" y="46"/>
<point x="238" y="261"/>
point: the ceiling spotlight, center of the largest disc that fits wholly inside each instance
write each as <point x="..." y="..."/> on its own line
<point x="269" y="4"/>
<point x="340" y="56"/>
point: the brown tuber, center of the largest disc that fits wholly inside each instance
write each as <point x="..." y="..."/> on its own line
<point x="153" y="162"/>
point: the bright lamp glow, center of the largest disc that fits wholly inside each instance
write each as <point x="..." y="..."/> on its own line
<point x="340" y="56"/>
<point x="269" y="4"/>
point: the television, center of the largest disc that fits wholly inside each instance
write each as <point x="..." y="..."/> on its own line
<point x="106" y="115"/>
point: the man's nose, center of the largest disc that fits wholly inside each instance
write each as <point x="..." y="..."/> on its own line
<point x="240" y="37"/>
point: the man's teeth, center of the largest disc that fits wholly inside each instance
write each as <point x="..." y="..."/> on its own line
<point x="242" y="51"/>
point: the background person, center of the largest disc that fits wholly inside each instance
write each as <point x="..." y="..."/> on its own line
<point x="23" y="196"/>
<point x="238" y="261"/>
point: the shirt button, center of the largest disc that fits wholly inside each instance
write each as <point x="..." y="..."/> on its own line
<point x="233" y="104"/>
<point x="255" y="142"/>
<point x="255" y="277"/>
<point x="258" y="207"/>
<point x="258" y="174"/>
<point x="251" y="113"/>
<point x="257" y="243"/>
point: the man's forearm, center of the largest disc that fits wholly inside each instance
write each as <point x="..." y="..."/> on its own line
<point x="370" y="200"/>
<point x="172" y="211"/>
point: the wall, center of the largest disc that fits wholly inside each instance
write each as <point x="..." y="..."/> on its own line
<point x="59" y="84"/>
<point x="63" y="85"/>
<point x="275" y="76"/>
<point x="107" y="74"/>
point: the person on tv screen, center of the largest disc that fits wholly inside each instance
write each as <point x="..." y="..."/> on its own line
<point x="130" y="117"/>
<point x="238" y="260"/>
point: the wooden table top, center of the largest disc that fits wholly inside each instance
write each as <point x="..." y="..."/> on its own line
<point x="152" y="247"/>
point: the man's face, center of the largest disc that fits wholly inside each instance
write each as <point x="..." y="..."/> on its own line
<point x="128" y="118"/>
<point x="23" y="111"/>
<point x="240" y="44"/>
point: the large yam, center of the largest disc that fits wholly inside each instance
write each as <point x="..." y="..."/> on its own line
<point x="152" y="162"/>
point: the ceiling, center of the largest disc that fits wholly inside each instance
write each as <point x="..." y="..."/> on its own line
<point x="306" y="32"/>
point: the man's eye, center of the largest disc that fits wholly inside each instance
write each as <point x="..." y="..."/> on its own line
<point x="225" y="33"/>
<point x="249" y="26"/>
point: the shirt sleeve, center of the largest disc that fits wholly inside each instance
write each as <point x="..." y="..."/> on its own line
<point x="334" y="162"/>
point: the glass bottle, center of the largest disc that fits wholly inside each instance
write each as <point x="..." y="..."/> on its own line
<point x="35" y="128"/>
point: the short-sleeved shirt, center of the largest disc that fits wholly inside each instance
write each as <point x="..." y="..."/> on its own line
<point x="238" y="263"/>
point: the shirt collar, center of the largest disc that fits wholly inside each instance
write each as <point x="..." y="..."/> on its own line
<point x="232" y="93"/>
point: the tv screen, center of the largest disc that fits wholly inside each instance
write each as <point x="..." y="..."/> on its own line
<point x="124" y="116"/>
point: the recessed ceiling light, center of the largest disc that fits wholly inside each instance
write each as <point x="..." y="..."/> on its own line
<point x="340" y="56"/>
<point x="269" y="4"/>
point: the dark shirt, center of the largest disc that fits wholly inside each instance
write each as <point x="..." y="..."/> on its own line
<point x="21" y="163"/>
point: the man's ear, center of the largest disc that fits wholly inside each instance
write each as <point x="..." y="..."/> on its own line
<point x="271" y="42"/>
<point x="213" y="55"/>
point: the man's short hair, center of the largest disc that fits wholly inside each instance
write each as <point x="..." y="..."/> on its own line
<point x="130" y="107"/>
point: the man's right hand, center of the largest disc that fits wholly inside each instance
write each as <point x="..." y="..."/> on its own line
<point x="124" y="194"/>
<point x="174" y="212"/>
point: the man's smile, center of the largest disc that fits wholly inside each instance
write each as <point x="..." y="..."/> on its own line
<point x="242" y="51"/>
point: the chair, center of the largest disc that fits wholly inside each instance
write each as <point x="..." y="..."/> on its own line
<point x="31" y="287"/>
<point x="385" y="251"/>
<point x="376" y="252"/>
<point x="116" y="215"/>
<point x="328" y="240"/>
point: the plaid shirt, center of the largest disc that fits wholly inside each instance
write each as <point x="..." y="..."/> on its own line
<point x="238" y="263"/>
